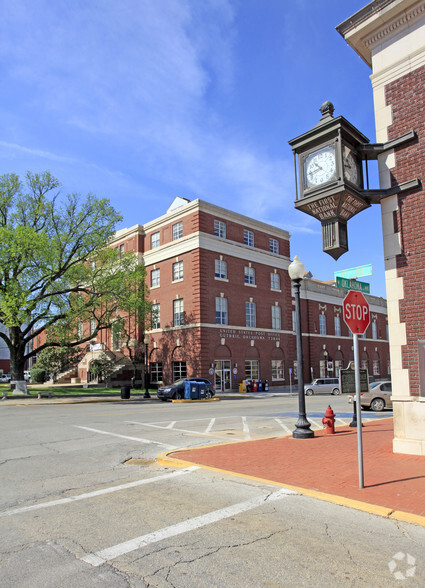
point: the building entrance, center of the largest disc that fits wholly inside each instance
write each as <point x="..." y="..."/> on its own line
<point x="223" y="376"/>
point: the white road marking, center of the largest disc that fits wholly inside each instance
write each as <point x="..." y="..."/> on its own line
<point x="315" y="423"/>
<point x="98" y="492"/>
<point x="171" y="425"/>
<point x="245" y="428"/>
<point x="179" y="430"/>
<point x="147" y="441"/>
<point x="282" y="424"/>
<point x="210" y="426"/>
<point x="344" y="422"/>
<point x="100" y="557"/>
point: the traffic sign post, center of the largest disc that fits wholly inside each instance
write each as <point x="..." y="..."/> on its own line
<point x="357" y="317"/>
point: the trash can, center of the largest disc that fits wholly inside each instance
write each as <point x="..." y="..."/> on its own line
<point x="260" y="386"/>
<point x="125" y="392"/>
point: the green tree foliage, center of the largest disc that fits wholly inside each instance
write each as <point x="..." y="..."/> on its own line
<point x="55" y="360"/>
<point x="102" y="367"/>
<point x="56" y="268"/>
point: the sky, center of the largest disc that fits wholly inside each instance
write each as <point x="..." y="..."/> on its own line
<point x="140" y="101"/>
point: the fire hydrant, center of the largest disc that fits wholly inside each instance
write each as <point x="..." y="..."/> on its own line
<point x="329" y="420"/>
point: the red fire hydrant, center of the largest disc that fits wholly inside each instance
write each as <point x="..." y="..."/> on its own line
<point x="329" y="420"/>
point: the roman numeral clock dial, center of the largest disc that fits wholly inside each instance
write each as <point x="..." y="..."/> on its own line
<point x="320" y="167"/>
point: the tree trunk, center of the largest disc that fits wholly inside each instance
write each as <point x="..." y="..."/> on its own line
<point x="17" y="353"/>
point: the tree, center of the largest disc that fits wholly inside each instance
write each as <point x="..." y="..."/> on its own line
<point x="102" y="367"/>
<point x="56" y="360"/>
<point x="57" y="270"/>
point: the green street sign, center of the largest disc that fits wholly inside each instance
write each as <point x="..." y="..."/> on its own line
<point x="355" y="272"/>
<point x="352" y="285"/>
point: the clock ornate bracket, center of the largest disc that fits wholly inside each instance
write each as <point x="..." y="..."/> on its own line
<point x="330" y="175"/>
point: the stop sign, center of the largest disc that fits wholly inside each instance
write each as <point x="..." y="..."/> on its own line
<point x="356" y="312"/>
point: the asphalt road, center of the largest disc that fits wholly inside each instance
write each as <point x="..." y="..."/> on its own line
<point x="73" y="513"/>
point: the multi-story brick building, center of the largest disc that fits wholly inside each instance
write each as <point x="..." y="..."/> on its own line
<point x="389" y="35"/>
<point x="223" y="303"/>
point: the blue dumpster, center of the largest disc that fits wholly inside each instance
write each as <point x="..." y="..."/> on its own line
<point x="187" y="389"/>
<point x="260" y="386"/>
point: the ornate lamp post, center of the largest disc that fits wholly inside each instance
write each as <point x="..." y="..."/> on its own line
<point x="146" y="342"/>
<point x="302" y="430"/>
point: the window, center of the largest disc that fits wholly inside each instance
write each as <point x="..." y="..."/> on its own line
<point x="322" y="368"/>
<point x="221" y="311"/>
<point x="155" y="278"/>
<point x="122" y="248"/>
<point x="274" y="246"/>
<point x="276" y="317"/>
<point x="248" y="238"/>
<point x="374" y="330"/>
<point x="221" y="269"/>
<point x="155" y="241"/>
<point x="179" y="370"/>
<point x="80" y="330"/>
<point x="156" y="371"/>
<point x="277" y="369"/>
<point x="252" y="369"/>
<point x="364" y="364"/>
<point x="93" y="265"/>
<point x="116" y="339"/>
<point x="337" y="325"/>
<point x="156" y="316"/>
<point x="338" y="366"/>
<point x="376" y="368"/>
<point x="220" y="229"/>
<point x="294" y="321"/>
<point x="274" y="281"/>
<point x="177" y="231"/>
<point x="249" y="275"/>
<point x="92" y="326"/>
<point x="250" y="313"/>
<point x="295" y="370"/>
<point x="322" y="324"/>
<point x="178" y="312"/>
<point x="177" y="270"/>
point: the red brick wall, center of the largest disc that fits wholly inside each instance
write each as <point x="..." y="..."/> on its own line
<point x="406" y="98"/>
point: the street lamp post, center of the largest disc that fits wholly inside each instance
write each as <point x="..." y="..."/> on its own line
<point x="146" y="341"/>
<point x="302" y="430"/>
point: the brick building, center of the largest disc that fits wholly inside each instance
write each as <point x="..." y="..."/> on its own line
<point x="223" y="304"/>
<point x="389" y="35"/>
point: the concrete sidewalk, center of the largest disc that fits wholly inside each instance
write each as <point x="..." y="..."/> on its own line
<point x="326" y="467"/>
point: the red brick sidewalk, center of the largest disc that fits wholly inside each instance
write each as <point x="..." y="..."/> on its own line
<point x="328" y="463"/>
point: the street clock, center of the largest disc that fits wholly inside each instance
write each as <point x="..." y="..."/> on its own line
<point x="329" y="174"/>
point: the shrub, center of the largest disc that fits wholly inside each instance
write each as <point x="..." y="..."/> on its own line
<point x="38" y="375"/>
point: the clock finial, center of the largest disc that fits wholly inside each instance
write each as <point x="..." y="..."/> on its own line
<point x="327" y="108"/>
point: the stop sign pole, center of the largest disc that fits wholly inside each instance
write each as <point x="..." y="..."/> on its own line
<point x="357" y="317"/>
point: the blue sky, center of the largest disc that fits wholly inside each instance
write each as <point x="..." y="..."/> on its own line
<point x="141" y="101"/>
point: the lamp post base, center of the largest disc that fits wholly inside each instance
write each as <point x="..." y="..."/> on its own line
<point x="302" y="429"/>
<point x="146" y="395"/>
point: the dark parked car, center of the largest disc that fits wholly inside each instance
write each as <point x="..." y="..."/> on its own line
<point x="176" y="390"/>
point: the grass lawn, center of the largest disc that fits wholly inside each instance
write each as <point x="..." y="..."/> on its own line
<point x="76" y="390"/>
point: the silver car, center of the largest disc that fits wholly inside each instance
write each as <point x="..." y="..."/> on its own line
<point x="323" y="386"/>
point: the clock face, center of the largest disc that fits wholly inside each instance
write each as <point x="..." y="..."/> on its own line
<point x="320" y="166"/>
<point x="351" y="167"/>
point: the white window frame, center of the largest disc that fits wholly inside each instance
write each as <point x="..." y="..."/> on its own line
<point x="376" y="367"/>
<point x="248" y="237"/>
<point x="178" y="312"/>
<point x="276" y="318"/>
<point x="337" y="325"/>
<point x="275" y="281"/>
<point x="278" y="372"/>
<point x="374" y="330"/>
<point x="322" y="324"/>
<point x="155" y="278"/>
<point x="179" y="370"/>
<point x="156" y="316"/>
<point x="252" y="369"/>
<point x="155" y="370"/>
<point x="274" y="245"/>
<point x="221" y="316"/>
<point x="177" y="271"/>
<point x="220" y="229"/>
<point x="220" y="269"/>
<point x="251" y="314"/>
<point x="155" y="240"/>
<point x="249" y="276"/>
<point x="177" y="230"/>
